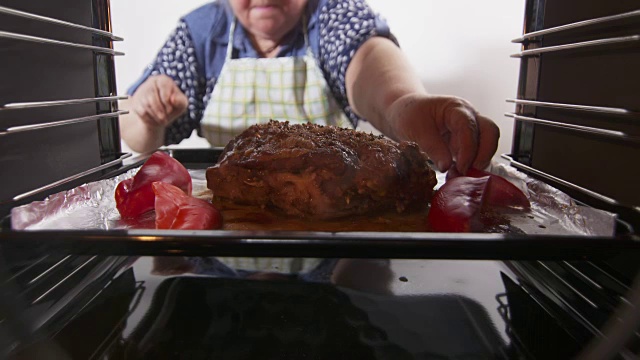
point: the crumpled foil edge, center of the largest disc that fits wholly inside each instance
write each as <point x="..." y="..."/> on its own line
<point x="92" y="207"/>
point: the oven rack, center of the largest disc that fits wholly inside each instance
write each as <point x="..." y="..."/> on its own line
<point x="50" y="20"/>
<point x="537" y="34"/>
<point x="58" y="128"/>
<point x="576" y="120"/>
<point x="66" y="127"/>
<point x="47" y="41"/>
<point x="575" y="105"/>
<point x="49" y="291"/>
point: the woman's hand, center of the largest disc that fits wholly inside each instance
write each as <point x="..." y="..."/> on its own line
<point x="155" y="104"/>
<point x="447" y="128"/>
<point x="383" y="88"/>
<point x="158" y="101"/>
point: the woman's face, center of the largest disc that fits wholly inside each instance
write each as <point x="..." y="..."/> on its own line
<point x="268" y="19"/>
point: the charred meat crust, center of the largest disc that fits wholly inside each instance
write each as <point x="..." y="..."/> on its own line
<point x="321" y="172"/>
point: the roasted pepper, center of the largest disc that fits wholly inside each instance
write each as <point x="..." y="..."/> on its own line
<point x="135" y="196"/>
<point x="458" y="203"/>
<point x="177" y="210"/>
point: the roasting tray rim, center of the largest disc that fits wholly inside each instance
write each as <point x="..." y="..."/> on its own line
<point x="269" y="243"/>
<point x="417" y="245"/>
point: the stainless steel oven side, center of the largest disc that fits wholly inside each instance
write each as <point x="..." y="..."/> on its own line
<point x="577" y="113"/>
<point x="577" y="127"/>
<point x="58" y="100"/>
<point x="58" y="122"/>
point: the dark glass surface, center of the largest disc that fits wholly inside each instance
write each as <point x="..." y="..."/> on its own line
<point x="177" y="307"/>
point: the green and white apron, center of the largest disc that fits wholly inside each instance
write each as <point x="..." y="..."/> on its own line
<point x="253" y="91"/>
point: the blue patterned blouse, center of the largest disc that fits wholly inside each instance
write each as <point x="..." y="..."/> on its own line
<point x="195" y="51"/>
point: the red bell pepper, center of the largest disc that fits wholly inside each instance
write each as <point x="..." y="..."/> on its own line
<point x="455" y="207"/>
<point x="458" y="204"/>
<point x="501" y="192"/>
<point x="177" y="210"/>
<point x="135" y="196"/>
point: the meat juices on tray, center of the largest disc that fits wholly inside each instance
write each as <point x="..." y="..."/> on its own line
<point x="321" y="172"/>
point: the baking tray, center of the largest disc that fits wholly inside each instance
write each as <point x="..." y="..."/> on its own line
<point x="425" y="245"/>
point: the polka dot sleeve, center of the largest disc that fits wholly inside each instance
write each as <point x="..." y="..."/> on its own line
<point x="344" y="26"/>
<point x="177" y="60"/>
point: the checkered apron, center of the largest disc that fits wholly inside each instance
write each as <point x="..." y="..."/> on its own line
<point x="253" y="91"/>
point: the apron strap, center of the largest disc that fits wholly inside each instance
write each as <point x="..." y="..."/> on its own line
<point x="232" y="31"/>
<point x="305" y="31"/>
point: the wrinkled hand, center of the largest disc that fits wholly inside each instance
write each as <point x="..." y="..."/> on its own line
<point x="159" y="101"/>
<point x="447" y="128"/>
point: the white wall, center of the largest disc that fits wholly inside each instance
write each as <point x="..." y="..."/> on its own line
<point x="144" y="25"/>
<point x="459" y="47"/>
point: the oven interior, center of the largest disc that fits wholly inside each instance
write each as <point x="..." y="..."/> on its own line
<point x="576" y="128"/>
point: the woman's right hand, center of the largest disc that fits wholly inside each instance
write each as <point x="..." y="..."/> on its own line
<point x="158" y="101"/>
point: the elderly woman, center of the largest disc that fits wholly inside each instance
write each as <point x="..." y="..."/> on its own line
<point x="233" y="63"/>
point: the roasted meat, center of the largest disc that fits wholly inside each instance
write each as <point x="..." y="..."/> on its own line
<point x="321" y="172"/>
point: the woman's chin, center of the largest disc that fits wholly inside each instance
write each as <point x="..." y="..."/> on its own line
<point x="269" y="29"/>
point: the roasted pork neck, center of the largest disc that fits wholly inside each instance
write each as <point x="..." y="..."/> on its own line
<point x="321" y="172"/>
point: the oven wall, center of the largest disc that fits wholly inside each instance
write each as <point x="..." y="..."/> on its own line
<point x="41" y="71"/>
<point x="600" y="82"/>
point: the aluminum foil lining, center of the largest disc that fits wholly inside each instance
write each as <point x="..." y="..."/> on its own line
<point x="553" y="211"/>
<point x="92" y="207"/>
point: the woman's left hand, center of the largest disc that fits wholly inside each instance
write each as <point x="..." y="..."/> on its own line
<point x="447" y="128"/>
<point x="383" y="88"/>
